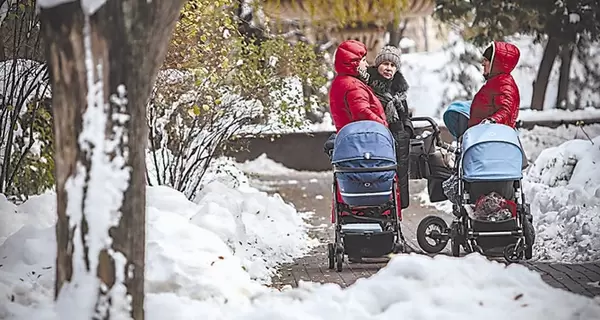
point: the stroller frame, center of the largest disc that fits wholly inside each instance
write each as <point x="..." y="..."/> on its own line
<point x="461" y="232"/>
<point x="389" y="240"/>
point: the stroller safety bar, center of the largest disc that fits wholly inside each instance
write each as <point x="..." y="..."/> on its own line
<point x="366" y="194"/>
<point x="356" y="170"/>
<point x="495" y="233"/>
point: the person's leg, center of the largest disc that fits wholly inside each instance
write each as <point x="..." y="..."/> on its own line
<point x="402" y="157"/>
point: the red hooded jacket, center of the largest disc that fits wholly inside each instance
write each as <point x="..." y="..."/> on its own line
<point x="499" y="97"/>
<point x="350" y="99"/>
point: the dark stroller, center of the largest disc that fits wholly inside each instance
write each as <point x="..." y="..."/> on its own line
<point x="365" y="205"/>
<point x="489" y="161"/>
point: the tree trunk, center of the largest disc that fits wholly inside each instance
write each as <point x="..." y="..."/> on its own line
<point x="102" y="66"/>
<point x="541" y="82"/>
<point x="566" y="59"/>
<point x="396" y="32"/>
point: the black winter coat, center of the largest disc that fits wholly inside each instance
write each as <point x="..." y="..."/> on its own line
<point x="392" y="93"/>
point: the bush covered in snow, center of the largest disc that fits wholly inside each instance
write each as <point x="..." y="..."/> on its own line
<point x="563" y="187"/>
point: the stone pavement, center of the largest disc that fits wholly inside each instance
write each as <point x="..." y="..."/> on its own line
<point x="312" y="192"/>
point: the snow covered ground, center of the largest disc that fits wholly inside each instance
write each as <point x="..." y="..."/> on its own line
<point x="223" y="247"/>
<point x="210" y="259"/>
<point x="563" y="187"/>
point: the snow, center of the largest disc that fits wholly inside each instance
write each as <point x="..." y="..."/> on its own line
<point x="191" y="274"/>
<point x="220" y="250"/>
<point x="265" y="166"/>
<point x="574" y="18"/>
<point x="211" y="259"/>
<point x="539" y="138"/>
<point x="558" y="114"/>
<point x="420" y="287"/>
<point x="563" y="187"/>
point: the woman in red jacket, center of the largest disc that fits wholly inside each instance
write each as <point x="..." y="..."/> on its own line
<point x="498" y="100"/>
<point x="350" y="98"/>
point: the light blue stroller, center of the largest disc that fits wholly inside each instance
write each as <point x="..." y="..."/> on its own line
<point x="489" y="160"/>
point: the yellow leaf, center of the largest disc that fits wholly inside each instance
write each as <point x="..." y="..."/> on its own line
<point x="205" y="107"/>
<point x="196" y="110"/>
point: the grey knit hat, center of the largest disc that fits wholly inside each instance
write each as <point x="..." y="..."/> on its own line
<point x="388" y="53"/>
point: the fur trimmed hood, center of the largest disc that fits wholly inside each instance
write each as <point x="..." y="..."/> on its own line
<point x="398" y="84"/>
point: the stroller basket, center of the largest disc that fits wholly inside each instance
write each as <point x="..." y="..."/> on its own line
<point x="364" y="159"/>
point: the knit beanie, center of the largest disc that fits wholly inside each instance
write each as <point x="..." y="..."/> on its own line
<point x="489" y="51"/>
<point x="388" y="53"/>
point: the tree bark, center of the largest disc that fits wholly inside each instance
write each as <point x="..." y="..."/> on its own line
<point x="566" y="59"/>
<point x="541" y="82"/>
<point x="396" y="31"/>
<point x="102" y="67"/>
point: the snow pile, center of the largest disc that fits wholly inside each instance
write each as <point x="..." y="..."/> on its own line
<point x="559" y="114"/>
<point x="265" y="166"/>
<point x="416" y="287"/>
<point x="563" y="188"/>
<point x="539" y="138"/>
<point x="38" y="212"/>
<point x="219" y="250"/>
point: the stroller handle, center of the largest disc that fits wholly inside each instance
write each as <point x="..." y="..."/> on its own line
<point x="430" y="120"/>
<point x="434" y="125"/>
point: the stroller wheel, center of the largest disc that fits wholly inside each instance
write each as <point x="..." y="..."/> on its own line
<point x="455" y="247"/>
<point x="512" y="254"/>
<point x="529" y="237"/>
<point x="432" y="234"/>
<point x="339" y="259"/>
<point x="330" y="255"/>
<point x="529" y="252"/>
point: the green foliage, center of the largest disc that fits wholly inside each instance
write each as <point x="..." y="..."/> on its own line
<point x="216" y="82"/>
<point x="487" y="20"/>
<point x="206" y="41"/>
<point x="342" y="12"/>
<point x="484" y="21"/>
<point x="32" y="162"/>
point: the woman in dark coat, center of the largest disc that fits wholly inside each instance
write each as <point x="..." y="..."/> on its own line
<point x="390" y="87"/>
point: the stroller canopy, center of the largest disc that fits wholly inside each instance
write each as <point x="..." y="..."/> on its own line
<point x="456" y="117"/>
<point x="491" y="152"/>
<point x="364" y="140"/>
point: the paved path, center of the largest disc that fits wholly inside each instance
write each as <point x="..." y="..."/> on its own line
<point x="312" y="192"/>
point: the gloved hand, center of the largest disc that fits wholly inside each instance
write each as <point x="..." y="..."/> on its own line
<point x="398" y="100"/>
<point x="488" y="121"/>
<point x="400" y="96"/>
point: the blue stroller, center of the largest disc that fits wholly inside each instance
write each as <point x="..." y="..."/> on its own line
<point x="365" y="204"/>
<point x="489" y="160"/>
